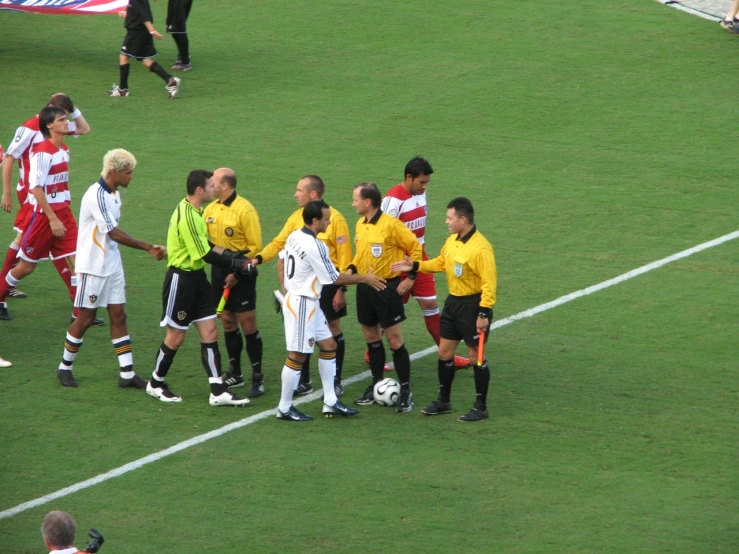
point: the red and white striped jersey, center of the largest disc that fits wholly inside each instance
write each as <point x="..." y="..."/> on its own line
<point x="50" y="170"/>
<point x="26" y="136"/>
<point x="411" y="210"/>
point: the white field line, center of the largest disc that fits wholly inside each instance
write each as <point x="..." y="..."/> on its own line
<point x="688" y="9"/>
<point x="122" y="470"/>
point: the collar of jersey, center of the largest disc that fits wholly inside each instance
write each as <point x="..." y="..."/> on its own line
<point x="375" y="219"/>
<point x="308" y="232"/>
<point x="103" y="184"/>
<point x="465" y="238"/>
<point x="228" y="201"/>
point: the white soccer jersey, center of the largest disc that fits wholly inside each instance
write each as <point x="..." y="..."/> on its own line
<point x="97" y="253"/>
<point x="308" y="265"/>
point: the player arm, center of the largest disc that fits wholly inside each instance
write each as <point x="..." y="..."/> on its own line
<point x="253" y="231"/>
<point x="7" y="200"/>
<point x="391" y="206"/>
<point x="121" y="237"/>
<point x="486" y="269"/>
<point x="277" y="244"/>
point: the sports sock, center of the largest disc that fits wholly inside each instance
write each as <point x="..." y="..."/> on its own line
<point x="211" y="358"/>
<point x="234" y="344"/>
<point x="122" y="347"/>
<point x="165" y="357"/>
<point x="377" y="360"/>
<point x="482" y="381"/>
<point x="305" y="371"/>
<point x="159" y="70"/>
<point x="327" y="370"/>
<point x="340" y="349"/>
<point x="62" y="268"/>
<point x="432" y="318"/>
<point x="8" y="283"/>
<point x="254" y="347"/>
<point x="123" y="70"/>
<point x="402" y="366"/>
<point x="290" y="380"/>
<point x="71" y="347"/>
<point x="446" y="377"/>
<point x="10" y="258"/>
<point x="183" y="46"/>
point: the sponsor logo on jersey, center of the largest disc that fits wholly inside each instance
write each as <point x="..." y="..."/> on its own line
<point x="458" y="270"/>
<point x="418" y="223"/>
<point x="377" y="250"/>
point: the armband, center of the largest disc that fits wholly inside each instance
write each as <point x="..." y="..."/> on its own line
<point x="76" y="113"/>
<point x="412" y="275"/>
<point x="343" y="288"/>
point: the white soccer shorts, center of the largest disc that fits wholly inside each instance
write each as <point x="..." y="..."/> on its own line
<point x="98" y="292"/>
<point x="305" y="323"/>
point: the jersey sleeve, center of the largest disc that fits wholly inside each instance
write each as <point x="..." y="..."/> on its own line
<point x="253" y="231"/>
<point x="21" y="142"/>
<point x="323" y="266"/>
<point x="391" y="206"/>
<point x="486" y="269"/>
<point x="194" y="234"/>
<point x="40" y="165"/>
<point x="407" y="241"/>
<point x="343" y="244"/>
<point x="101" y="208"/>
<point x="434" y="265"/>
<point x="278" y="243"/>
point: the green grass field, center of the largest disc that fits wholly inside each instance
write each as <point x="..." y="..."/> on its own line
<point x="592" y="137"/>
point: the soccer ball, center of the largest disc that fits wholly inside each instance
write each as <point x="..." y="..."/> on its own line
<point x="387" y="392"/>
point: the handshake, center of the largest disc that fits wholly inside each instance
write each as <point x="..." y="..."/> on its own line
<point x="240" y="262"/>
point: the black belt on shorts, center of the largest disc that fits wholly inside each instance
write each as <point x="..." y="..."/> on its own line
<point x="174" y="269"/>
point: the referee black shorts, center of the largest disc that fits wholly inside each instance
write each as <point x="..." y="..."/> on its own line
<point x="242" y="298"/>
<point x="186" y="298"/>
<point x="458" y="319"/>
<point x="138" y="44"/>
<point x="384" y="306"/>
<point x="177" y="12"/>
<point x="327" y="303"/>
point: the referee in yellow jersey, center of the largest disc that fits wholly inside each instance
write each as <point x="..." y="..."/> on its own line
<point x="380" y="241"/>
<point x="233" y="223"/>
<point x="333" y="297"/>
<point x="468" y="260"/>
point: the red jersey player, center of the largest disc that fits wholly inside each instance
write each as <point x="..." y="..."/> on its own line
<point x="407" y="202"/>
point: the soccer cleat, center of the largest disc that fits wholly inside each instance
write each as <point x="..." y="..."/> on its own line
<point x="437" y="407"/>
<point x="231" y="381"/>
<point x="134" y="382"/>
<point x="97" y="322"/>
<point x="257" y="385"/>
<point x="15" y="293"/>
<point x="293" y="415"/>
<point x="730" y="26"/>
<point x="179" y="66"/>
<point x="117" y="91"/>
<point x="4" y="315"/>
<point x="367" y="398"/>
<point x="66" y="378"/>
<point x="366" y="362"/>
<point x="303" y="389"/>
<point x="227" y="399"/>
<point x="340" y="409"/>
<point x="338" y="387"/>
<point x="405" y="403"/>
<point x="5" y="363"/>
<point x="173" y="87"/>
<point x="162" y="393"/>
<point x="475" y="414"/>
<point x="461" y="363"/>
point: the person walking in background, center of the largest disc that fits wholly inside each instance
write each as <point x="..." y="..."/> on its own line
<point x="177" y="14"/>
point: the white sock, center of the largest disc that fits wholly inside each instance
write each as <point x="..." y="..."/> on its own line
<point x="290" y="380"/>
<point x="327" y="369"/>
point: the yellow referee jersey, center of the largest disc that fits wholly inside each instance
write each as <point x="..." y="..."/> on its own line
<point x="382" y="241"/>
<point x="336" y="238"/>
<point x="469" y="263"/>
<point x="234" y="224"/>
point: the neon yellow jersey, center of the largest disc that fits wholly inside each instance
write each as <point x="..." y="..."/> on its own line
<point x="187" y="238"/>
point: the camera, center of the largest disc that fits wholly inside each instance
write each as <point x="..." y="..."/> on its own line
<point x="96" y="541"/>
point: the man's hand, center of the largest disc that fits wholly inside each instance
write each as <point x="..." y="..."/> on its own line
<point x="373" y="280"/>
<point x="231" y="281"/>
<point x="482" y="324"/>
<point x="158" y="251"/>
<point x="339" y="300"/>
<point x="405" y="285"/>
<point x="122" y="14"/>
<point x="404" y="266"/>
<point x="7" y="202"/>
<point x="57" y="227"/>
<point x="156" y="34"/>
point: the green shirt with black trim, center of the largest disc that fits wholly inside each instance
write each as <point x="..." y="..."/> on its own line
<point x="187" y="238"/>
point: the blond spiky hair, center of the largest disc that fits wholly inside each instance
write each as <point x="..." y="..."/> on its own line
<point x="117" y="160"/>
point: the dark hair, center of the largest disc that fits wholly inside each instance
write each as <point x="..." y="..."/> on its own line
<point x="462" y="207"/>
<point x="59" y="529"/>
<point x="197" y="178"/>
<point x="418" y="166"/>
<point x="47" y="116"/>
<point x="229" y="179"/>
<point x="315" y="184"/>
<point x="313" y="210"/>
<point x="62" y="101"/>
<point x="369" y="191"/>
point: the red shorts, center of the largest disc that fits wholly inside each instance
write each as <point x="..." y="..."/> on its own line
<point x="424" y="288"/>
<point x="38" y="242"/>
<point x="22" y="217"/>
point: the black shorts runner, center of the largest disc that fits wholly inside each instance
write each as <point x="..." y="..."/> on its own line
<point x="177" y="12"/>
<point x="242" y="298"/>
<point x="458" y="319"/>
<point x="384" y="307"/>
<point x="138" y="44"/>
<point x="186" y="298"/>
<point x="327" y="299"/>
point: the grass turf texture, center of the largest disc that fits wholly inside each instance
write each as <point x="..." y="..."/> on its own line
<point x="588" y="150"/>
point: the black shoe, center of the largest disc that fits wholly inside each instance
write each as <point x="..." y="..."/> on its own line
<point x="303" y="389"/>
<point x="15" y="293"/>
<point x="338" y="387"/>
<point x="4" y="315"/>
<point x="437" y="407"/>
<point x="293" y="415"/>
<point x="367" y="398"/>
<point x="231" y="381"/>
<point x="338" y="408"/>
<point x="257" y="385"/>
<point x="405" y="404"/>
<point x="66" y="378"/>
<point x="475" y="414"/>
<point x="134" y="382"/>
<point x="97" y="322"/>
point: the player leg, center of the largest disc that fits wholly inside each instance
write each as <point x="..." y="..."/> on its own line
<point x="177" y="13"/>
<point x="11" y="259"/>
<point x="124" y="68"/>
<point x="402" y="362"/>
<point x="368" y="303"/>
<point x="481" y="372"/>
<point x="114" y="297"/>
<point x="298" y="343"/>
<point x="338" y="335"/>
<point x="333" y="304"/>
<point x="14" y="276"/>
<point x="327" y="369"/>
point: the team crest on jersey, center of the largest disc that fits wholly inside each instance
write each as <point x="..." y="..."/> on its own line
<point x="181" y="315"/>
<point x="229" y="232"/>
<point x="210" y="220"/>
<point x="93" y="298"/>
<point x="458" y="270"/>
<point x="29" y="250"/>
<point x="377" y="250"/>
<point x="311" y="342"/>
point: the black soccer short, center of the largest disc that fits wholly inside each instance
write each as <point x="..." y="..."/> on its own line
<point x="327" y="299"/>
<point x="458" y="319"/>
<point x="138" y="44"/>
<point x="187" y="298"/>
<point x="242" y="298"/>
<point x="384" y="307"/>
<point x="177" y="13"/>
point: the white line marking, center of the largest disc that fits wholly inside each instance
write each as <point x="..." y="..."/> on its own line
<point x="317" y="394"/>
<point x="688" y="9"/>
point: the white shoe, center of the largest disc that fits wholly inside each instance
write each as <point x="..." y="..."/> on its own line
<point x="227" y="399"/>
<point x="173" y="87"/>
<point x="5" y="363"/>
<point x="162" y="393"/>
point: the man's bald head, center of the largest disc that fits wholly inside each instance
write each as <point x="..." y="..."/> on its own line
<point x="225" y="176"/>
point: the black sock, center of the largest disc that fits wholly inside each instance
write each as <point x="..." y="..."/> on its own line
<point x="183" y="46"/>
<point x="165" y="357"/>
<point x="305" y="372"/>
<point x="234" y="344"/>
<point x="446" y="376"/>
<point x="123" y="70"/>
<point x="377" y="360"/>
<point x="402" y="362"/>
<point x="159" y="70"/>
<point x="211" y="358"/>
<point x="340" y="346"/>
<point x="254" y="346"/>
<point x="482" y="381"/>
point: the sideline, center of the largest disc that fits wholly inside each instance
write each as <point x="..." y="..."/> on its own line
<point x="692" y="11"/>
<point x="122" y="470"/>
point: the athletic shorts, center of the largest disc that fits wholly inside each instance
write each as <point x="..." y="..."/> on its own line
<point x="187" y="298"/>
<point x="138" y="44"/>
<point x="327" y="300"/>
<point x="305" y="323"/>
<point x="424" y="288"/>
<point x="99" y="292"/>
<point x="39" y="243"/>
<point x="22" y="217"/>
<point x="242" y="298"/>
<point x="458" y="319"/>
<point x="177" y="13"/>
<point x="384" y="307"/>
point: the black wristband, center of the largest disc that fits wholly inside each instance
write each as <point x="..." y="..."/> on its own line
<point x="486" y="313"/>
<point x="259" y="258"/>
<point x="412" y="275"/>
<point x="343" y="288"/>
